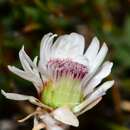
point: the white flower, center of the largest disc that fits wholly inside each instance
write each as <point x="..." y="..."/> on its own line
<point x="65" y="77"/>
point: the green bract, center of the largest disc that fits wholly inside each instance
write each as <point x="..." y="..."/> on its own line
<point x="64" y="92"/>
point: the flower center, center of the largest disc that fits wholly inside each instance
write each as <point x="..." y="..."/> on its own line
<point x="67" y="67"/>
<point x="64" y="87"/>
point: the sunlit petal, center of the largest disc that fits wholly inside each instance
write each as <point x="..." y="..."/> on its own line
<point x="101" y="90"/>
<point x="92" y="50"/>
<point x="65" y="115"/>
<point x="104" y="71"/>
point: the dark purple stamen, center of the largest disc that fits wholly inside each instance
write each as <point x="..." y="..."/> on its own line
<point x="67" y="67"/>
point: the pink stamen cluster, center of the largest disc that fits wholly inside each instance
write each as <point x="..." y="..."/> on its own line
<point x="67" y="67"/>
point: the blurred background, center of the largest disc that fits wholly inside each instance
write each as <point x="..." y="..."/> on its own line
<point x="24" y="22"/>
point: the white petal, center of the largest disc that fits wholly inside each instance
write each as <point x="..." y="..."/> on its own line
<point x="48" y="48"/>
<point x="29" y="65"/>
<point x="45" y="54"/>
<point x="44" y="73"/>
<point x="96" y="94"/>
<point x="100" y="57"/>
<point x="48" y="119"/>
<point x="35" y="121"/>
<point x="55" y="128"/>
<point x="82" y="60"/>
<point x="24" y="62"/>
<point x="51" y="123"/>
<point x="30" y="72"/>
<point x="103" y="72"/>
<point x="26" y="57"/>
<point x="33" y="77"/>
<point x="43" y="59"/>
<point x="95" y="65"/>
<point x="65" y="115"/>
<point x="20" y="73"/>
<point x="20" y="97"/>
<point x="92" y="50"/>
<point x="35" y="60"/>
<point x="90" y="106"/>
<point x="68" y="46"/>
<point x="44" y="40"/>
<point x="45" y="48"/>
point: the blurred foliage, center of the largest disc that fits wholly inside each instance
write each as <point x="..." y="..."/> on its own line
<point x="24" y="22"/>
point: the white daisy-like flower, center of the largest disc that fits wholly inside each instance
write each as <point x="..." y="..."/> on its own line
<point x="67" y="80"/>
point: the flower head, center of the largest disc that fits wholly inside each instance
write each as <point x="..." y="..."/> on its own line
<point x="65" y="78"/>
